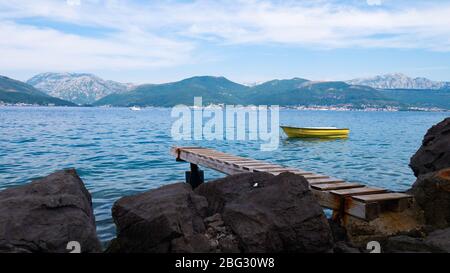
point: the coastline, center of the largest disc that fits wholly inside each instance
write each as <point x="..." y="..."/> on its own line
<point x="346" y="108"/>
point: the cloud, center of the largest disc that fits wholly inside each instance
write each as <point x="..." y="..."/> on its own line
<point x="73" y="2"/>
<point x="47" y="49"/>
<point x="171" y="33"/>
<point x="374" y="2"/>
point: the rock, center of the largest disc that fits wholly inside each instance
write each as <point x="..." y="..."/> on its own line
<point x="167" y="219"/>
<point x="439" y="239"/>
<point x="345" y="247"/>
<point x="197" y="243"/>
<point x="434" y="154"/>
<point x="338" y="231"/>
<point x="432" y="194"/>
<point x="46" y="214"/>
<point x="221" y="238"/>
<point x="408" y="244"/>
<point x="280" y="215"/>
<point x="388" y="223"/>
<point x="224" y="216"/>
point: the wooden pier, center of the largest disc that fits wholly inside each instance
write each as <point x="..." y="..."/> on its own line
<point x="342" y="197"/>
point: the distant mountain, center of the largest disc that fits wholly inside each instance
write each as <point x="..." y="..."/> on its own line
<point x="310" y="93"/>
<point x="15" y="92"/>
<point x="211" y="89"/>
<point x="218" y="90"/>
<point x="279" y="85"/>
<point x="400" y="81"/>
<point x="80" y="88"/>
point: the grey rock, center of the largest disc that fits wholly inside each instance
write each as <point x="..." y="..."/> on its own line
<point x="345" y="247"/>
<point x="407" y="244"/>
<point x="167" y="219"/>
<point x="434" y="154"/>
<point x="439" y="239"/>
<point x="432" y="194"/>
<point x="280" y="215"/>
<point x="46" y="214"/>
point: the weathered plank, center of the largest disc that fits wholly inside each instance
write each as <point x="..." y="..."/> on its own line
<point x="326" y="181"/>
<point x="365" y="211"/>
<point x="336" y="186"/>
<point x="358" y="191"/>
<point x="382" y="197"/>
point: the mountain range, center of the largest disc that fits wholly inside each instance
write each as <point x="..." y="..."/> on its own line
<point x="400" y="81"/>
<point x="14" y="92"/>
<point x="80" y="88"/>
<point x="289" y="92"/>
<point x="390" y="90"/>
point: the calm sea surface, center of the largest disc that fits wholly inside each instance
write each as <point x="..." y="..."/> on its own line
<point x="119" y="152"/>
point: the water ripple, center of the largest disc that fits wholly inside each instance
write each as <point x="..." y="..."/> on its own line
<point x="118" y="152"/>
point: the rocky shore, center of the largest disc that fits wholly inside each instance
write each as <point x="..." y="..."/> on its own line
<point x="253" y="212"/>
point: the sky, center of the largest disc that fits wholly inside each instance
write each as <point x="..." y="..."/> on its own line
<point x="246" y="41"/>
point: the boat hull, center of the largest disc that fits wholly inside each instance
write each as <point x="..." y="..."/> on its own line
<point x="295" y="132"/>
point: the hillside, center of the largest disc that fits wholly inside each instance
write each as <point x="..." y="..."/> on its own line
<point x="79" y="88"/>
<point x="321" y="93"/>
<point x="213" y="90"/>
<point x="421" y="98"/>
<point x="14" y="92"/>
<point x="219" y="90"/>
<point x="400" y="81"/>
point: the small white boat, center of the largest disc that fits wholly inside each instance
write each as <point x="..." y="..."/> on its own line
<point x="135" y="108"/>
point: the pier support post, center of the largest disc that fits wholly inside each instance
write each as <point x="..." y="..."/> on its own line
<point x="195" y="177"/>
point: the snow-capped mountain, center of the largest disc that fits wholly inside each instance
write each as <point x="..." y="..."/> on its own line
<point x="399" y="81"/>
<point x="80" y="88"/>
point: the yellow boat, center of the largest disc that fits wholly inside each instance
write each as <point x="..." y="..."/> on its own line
<point x="316" y="132"/>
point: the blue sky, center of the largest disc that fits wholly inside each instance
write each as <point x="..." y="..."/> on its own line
<point x="246" y="41"/>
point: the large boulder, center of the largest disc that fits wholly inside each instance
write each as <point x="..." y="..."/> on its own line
<point x="434" y="154"/>
<point x="408" y="244"/>
<point x="46" y="214"/>
<point x="167" y="219"/>
<point x="270" y="213"/>
<point x="242" y="213"/>
<point x="437" y="241"/>
<point x="432" y="194"/>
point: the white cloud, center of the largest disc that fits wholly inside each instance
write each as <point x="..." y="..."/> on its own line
<point x="73" y="2"/>
<point x="46" y="49"/>
<point x="169" y="33"/>
<point x="374" y="2"/>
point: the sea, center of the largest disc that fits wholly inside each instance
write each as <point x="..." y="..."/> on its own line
<point x="119" y="152"/>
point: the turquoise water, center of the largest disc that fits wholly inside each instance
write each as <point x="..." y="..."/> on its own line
<point x="119" y="152"/>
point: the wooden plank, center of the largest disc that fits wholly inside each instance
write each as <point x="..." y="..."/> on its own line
<point x="365" y="211"/>
<point x="223" y="156"/>
<point x="246" y="161"/>
<point x="265" y="168"/>
<point x="223" y="168"/>
<point x="358" y="191"/>
<point x="336" y="186"/>
<point x="315" y="176"/>
<point x="326" y="181"/>
<point x="301" y="172"/>
<point x="254" y="164"/>
<point x="326" y="199"/>
<point x="381" y="197"/>
<point x="273" y="170"/>
<point x="362" y="210"/>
